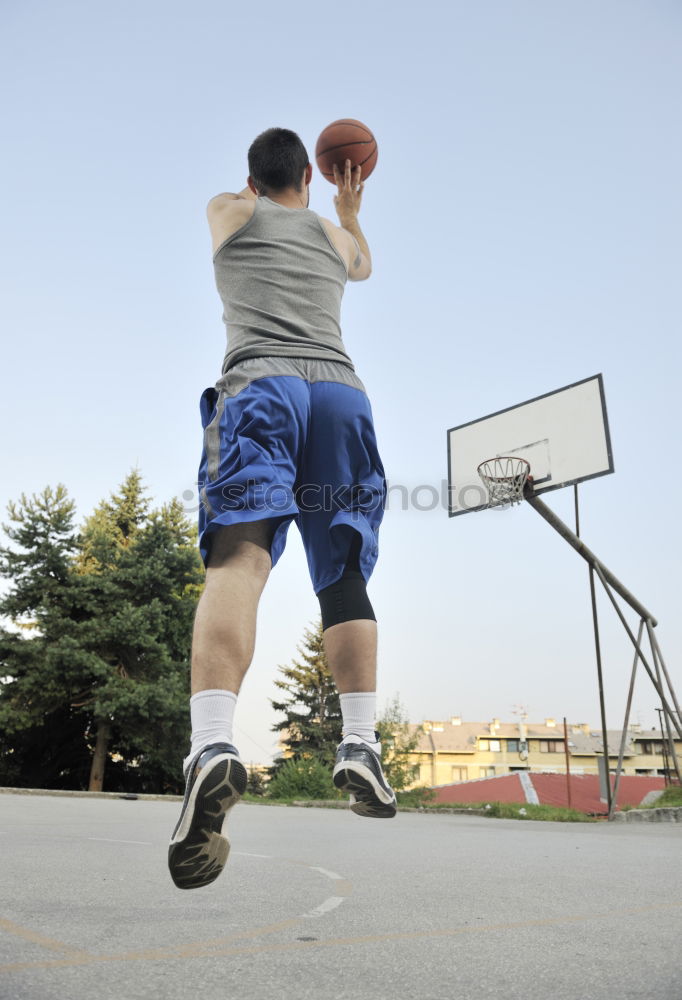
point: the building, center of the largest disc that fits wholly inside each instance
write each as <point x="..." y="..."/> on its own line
<point x="455" y="750"/>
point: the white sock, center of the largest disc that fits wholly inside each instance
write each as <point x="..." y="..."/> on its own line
<point x="359" y="714"/>
<point x="212" y="715"/>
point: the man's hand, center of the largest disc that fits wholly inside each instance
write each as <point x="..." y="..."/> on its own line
<point x="347" y="204"/>
<point x="350" y="187"/>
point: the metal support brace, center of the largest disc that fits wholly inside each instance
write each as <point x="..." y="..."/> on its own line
<point x="611" y="582"/>
<point x="659" y="689"/>
<point x="587" y="555"/>
<point x="626" y="722"/>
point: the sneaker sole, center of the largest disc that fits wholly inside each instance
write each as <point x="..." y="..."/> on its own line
<point x="198" y="851"/>
<point x="367" y="796"/>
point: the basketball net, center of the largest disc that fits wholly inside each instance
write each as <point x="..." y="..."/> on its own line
<point x="504" y="478"/>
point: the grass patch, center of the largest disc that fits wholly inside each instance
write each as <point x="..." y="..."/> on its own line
<point x="518" y="810"/>
<point x="415" y="798"/>
<point x="672" y="796"/>
<point x="420" y="798"/>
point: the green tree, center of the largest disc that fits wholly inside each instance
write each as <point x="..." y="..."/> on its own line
<point x="106" y="663"/>
<point x="398" y="742"/>
<point x="255" y="784"/>
<point x="146" y="567"/>
<point x="303" y="778"/>
<point x="40" y="733"/>
<point x="311" y="727"/>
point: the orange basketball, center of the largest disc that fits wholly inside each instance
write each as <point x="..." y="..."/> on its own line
<point x="346" y="139"/>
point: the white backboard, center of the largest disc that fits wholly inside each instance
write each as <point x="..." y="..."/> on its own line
<point x="563" y="434"/>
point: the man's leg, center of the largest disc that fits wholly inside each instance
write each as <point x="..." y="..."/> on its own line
<point x="350" y="643"/>
<point x="351" y="649"/>
<point x="225" y="628"/>
<point x="222" y="648"/>
<point x="341" y="453"/>
<point x="225" y="623"/>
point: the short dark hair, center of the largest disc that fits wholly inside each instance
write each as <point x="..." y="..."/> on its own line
<point x="277" y="159"/>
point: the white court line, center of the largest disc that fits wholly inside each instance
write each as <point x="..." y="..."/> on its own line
<point x="325" y="871"/>
<point x="326" y="905"/>
<point x="108" y="840"/>
<point x="329" y="904"/>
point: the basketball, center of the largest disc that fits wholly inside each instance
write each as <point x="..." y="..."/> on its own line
<point x="346" y="139"/>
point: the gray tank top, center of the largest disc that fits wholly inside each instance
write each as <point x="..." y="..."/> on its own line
<point x="281" y="281"/>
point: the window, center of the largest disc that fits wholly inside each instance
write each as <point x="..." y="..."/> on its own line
<point x="486" y="772"/>
<point x="551" y="746"/>
<point x="513" y="746"/>
<point x="460" y="773"/>
<point x="493" y="745"/>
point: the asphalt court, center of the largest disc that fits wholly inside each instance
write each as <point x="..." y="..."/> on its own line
<point x="321" y="903"/>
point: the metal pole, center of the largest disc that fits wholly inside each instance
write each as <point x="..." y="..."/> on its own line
<point x="657" y="686"/>
<point x="597" y="646"/>
<point x="577" y="510"/>
<point x="657" y="649"/>
<point x="666" y="734"/>
<point x="600" y="681"/>
<point x="621" y="752"/>
<point x="587" y="555"/>
<point x="666" y="762"/>
<point x="568" y="766"/>
<point x="673" y="752"/>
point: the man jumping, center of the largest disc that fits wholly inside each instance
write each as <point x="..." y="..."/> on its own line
<point x="288" y="436"/>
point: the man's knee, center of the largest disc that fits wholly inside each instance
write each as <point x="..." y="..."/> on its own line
<point x="346" y="600"/>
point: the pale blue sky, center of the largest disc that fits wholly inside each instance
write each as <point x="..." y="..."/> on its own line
<point x="524" y="219"/>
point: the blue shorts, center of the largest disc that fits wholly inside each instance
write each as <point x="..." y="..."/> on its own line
<point x="298" y="446"/>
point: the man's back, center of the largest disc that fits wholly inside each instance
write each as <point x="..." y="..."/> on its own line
<point x="281" y="279"/>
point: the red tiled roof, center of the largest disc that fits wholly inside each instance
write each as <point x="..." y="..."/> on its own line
<point x="550" y="789"/>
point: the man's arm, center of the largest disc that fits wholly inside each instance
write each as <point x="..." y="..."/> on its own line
<point x="221" y="200"/>
<point x="347" y="203"/>
<point x="227" y="213"/>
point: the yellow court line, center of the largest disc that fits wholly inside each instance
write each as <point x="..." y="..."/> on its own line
<point x="205" y="948"/>
<point x="199" y="949"/>
<point x="45" y="942"/>
<point x="188" y="952"/>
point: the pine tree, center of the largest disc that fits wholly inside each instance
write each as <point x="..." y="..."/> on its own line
<point x="42" y="526"/>
<point x="104" y="671"/>
<point x="311" y="727"/>
<point x="41" y="735"/>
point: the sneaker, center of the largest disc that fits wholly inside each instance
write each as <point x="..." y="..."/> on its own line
<point x="216" y="780"/>
<point x="358" y="771"/>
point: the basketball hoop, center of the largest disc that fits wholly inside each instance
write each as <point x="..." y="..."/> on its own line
<point x="505" y="479"/>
